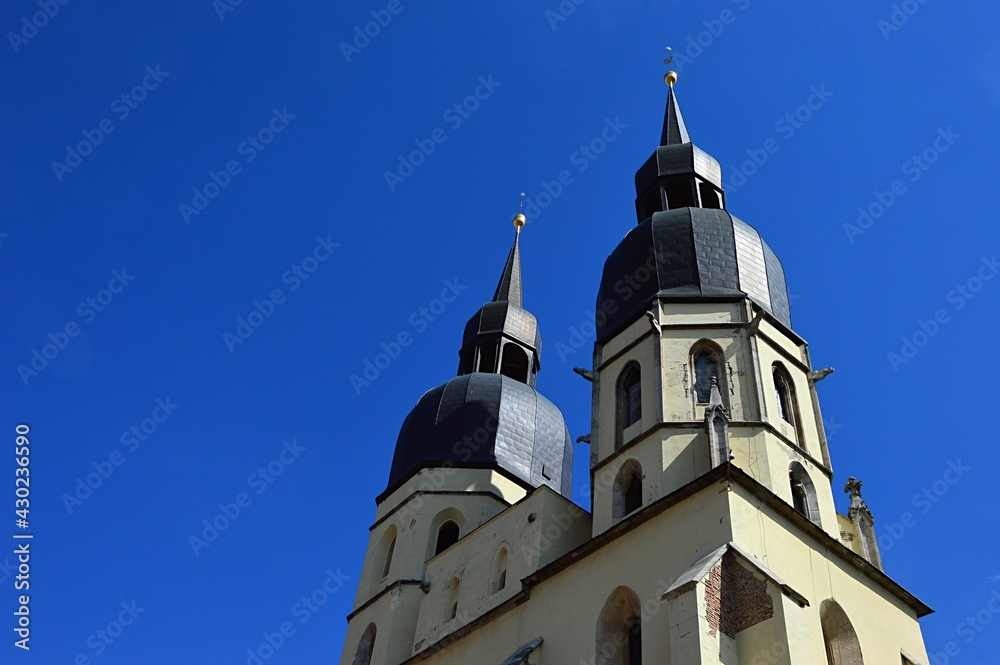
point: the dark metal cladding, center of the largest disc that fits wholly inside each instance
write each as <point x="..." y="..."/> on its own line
<point x="674" y="130"/>
<point x="694" y="251"/>
<point x="486" y="420"/>
<point x="509" y="287"/>
<point x="503" y="318"/>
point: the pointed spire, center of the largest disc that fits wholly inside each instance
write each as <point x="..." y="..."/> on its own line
<point x="674" y="130"/>
<point x="509" y="288"/>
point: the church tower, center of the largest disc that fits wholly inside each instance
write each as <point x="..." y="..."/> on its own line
<point x="713" y="535"/>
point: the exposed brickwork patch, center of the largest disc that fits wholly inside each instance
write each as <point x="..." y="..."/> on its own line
<point x="734" y="598"/>
<point x="713" y="598"/>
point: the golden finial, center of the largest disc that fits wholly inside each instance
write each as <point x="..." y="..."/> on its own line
<point x="671" y="76"/>
<point x="519" y="219"/>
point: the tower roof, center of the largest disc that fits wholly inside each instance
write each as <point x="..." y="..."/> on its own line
<point x="674" y="130"/>
<point x="486" y="421"/>
<point x="492" y="402"/>
<point x="501" y="324"/>
<point x="509" y="288"/>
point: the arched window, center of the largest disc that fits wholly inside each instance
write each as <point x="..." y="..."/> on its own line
<point x="500" y="571"/>
<point x="784" y="391"/>
<point x="488" y="357"/>
<point x="514" y="363"/>
<point x="628" y="400"/>
<point x="452" y="606"/>
<point x="709" y="197"/>
<point x="707" y="364"/>
<point x="390" y="536"/>
<point x="803" y="493"/>
<point x="447" y="536"/>
<point x="680" y="194"/>
<point x="650" y="203"/>
<point x="842" y="646"/>
<point x="627" y="491"/>
<point x="619" y="630"/>
<point x="363" y="656"/>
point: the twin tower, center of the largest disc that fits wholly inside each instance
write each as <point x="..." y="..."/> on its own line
<point x="712" y="535"/>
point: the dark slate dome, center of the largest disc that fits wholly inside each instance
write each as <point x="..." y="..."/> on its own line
<point x="486" y="420"/>
<point x="688" y="251"/>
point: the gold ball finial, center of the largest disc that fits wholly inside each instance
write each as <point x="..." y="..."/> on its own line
<point x="670" y="78"/>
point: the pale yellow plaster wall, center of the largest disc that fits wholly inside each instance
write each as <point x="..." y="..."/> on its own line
<point x="883" y="622"/>
<point x="809" y="439"/>
<point x="536" y="531"/>
<point x="643" y="353"/>
<point x="564" y="609"/>
<point x="452" y="479"/>
<point x="394" y="615"/>
<point x="413" y="517"/>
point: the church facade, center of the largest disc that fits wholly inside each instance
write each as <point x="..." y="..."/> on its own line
<point x="712" y="535"/>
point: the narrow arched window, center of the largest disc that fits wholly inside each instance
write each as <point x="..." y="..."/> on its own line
<point x="447" y="536"/>
<point x="803" y="493"/>
<point x="839" y="636"/>
<point x="627" y="490"/>
<point x="628" y="400"/>
<point x="514" y="363"/>
<point x="500" y="571"/>
<point x="706" y="363"/>
<point x="800" y="499"/>
<point x="784" y="391"/>
<point x="388" y="557"/>
<point x="363" y="656"/>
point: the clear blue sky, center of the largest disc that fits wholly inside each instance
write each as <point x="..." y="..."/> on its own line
<point x="299" y="140"/>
